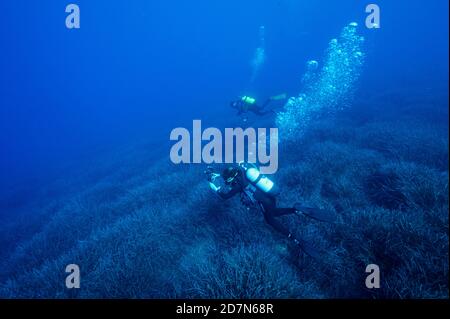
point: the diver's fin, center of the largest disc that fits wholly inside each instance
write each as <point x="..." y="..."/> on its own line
<point x="279" y="97"/>
<point x="316" y="213"/>
<point x="308" y="249"/>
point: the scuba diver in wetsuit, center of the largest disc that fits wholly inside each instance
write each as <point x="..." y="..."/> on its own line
<point x="247" y="104"/>
<point x="257" y="189"/>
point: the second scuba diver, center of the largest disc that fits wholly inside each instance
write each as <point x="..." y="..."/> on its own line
<point x="247" y="104"/>
<point x="257" y="189"/>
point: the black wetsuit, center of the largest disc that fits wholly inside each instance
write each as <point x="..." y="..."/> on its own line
<point x="266" y="201"/>
<point x="244" y="107"/>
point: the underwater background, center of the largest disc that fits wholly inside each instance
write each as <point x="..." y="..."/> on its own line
<point x="86" y="178"/>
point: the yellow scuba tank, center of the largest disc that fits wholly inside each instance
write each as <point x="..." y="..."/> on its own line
<point x="248" y="99"/>
<point x="260" y="181"/>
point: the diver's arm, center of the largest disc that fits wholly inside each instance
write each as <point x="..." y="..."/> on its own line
<point x="219" y="190"/>
<point x="214" y="187"/>
<point x="227" y="195"/>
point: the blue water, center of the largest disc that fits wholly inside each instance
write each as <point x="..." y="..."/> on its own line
<point x="85" y="118"/>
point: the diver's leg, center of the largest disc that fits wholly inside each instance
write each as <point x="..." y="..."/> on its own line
<point x="266" y="103"/>
<point x="268" y="211"/>
<point x="262" y="112"/>
<point x="270" y="219"/>
<point x="283" y="211"/>
<point x="315" y="213"/>
<point x="271" y="203"/>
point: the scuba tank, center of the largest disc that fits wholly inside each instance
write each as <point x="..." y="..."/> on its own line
<point x="258" y="180"/>
<point x="248" y="99"/>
